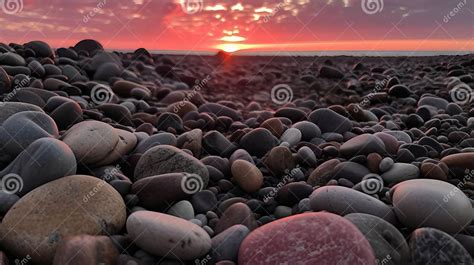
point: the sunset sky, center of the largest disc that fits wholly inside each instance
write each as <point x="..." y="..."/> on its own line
<point x="293" y="25"/>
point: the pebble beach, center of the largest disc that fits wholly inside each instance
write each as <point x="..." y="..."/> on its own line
<point x="137" y="158"/>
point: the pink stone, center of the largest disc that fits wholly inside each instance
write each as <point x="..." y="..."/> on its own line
<point x="309" y="238"/>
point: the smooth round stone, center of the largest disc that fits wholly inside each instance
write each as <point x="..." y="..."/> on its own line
<point x="23" y="128"/>
<point x="43" y="161"/>
<point x="342" y="201"/>
<point x="164" y="159"/>
<point x="237" y="213"/>
<point x="330" y="121"/>
<point x="182" y="209"/>
<point x="293" y="114"/>
<point x="432" y="246"/>
<point x="390" y="142"/>
<point x="307" y="157"/>
<point x="363" y="145"/>
<point x="10" y="108"/>
<point x="220" y="110"/>
<point x="64" y="111"/>
<point x="182" y="108"/>
<point x="171" y="188"/>
<point x="399" y="91"/>
<point x="282" y="211"/>
<point x="191" y="140"/>
<point x="308" y="130"/>
<point x="204" y="201"/>
<point x="293" y="193"/>
<point x="292" y="136"/>
<point x="275" y="126"/>
<point x="215" y="143"/>
<point x="400" y="136"/>
<point x="91" y="141"/>
<point x="155" y="140"/>
<point x="352" y="171"/>
<point x="386" y="241"/>
<point x="41" y="48"/>
<point x="86" y="249"/>
<point x="242" y="155"/>
<point x="436" y="102"/>
<point x="323" y="173"/>
<point x="432" y="171"/>
<point x="74" y="205"/>
<point x="107" y="71"/>
<point x="167" y="236"/>
<point x="386" y="164"/>
<point x="330" y="72"/>
<point x="258" y="142"/>
<point x="280" y="161"/>
<point x="431" y="203"/>
<point x="12" y="59"/>
<point x="247" y="175"/>
<point x="225" y="246"/>
<point x="89" y="46"/>
<point x="399" y="172"/>
<point x="124" y="88"/>
<point x="308" y="238"/>
<point x="127" y="142"/>
<point x="463" y="160"/>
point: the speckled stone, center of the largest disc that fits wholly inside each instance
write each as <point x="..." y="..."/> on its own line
<point x="74" y="205"/>
<point x="432" y="246"/>
<point x="167" y="236"/>
<point x="309" y="238"/>
<point x="165" y="159"/>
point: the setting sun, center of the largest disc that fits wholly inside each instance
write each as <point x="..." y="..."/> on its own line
<point x="230" y="47"/>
